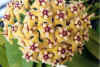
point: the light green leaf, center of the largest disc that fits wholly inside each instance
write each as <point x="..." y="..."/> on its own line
<point x="26" y="64"/>
<point x="15" y="56"/>
<point x="2" y="41"/>
<point x="3" y="57"/>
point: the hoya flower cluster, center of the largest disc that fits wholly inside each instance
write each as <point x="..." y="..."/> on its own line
<point x="47" y="30"/>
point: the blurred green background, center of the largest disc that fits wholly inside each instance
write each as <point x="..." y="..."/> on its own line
<point x="10" y="55"/>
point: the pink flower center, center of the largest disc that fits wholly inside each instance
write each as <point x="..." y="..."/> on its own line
<point x="27" y="56"/>
<point x="78" y="38"/>
<point x="49" y="41"/>
<point x="64" y="33"/>
<point x="63" y="51"/>
<point x="45" y="12"/>
<point x="61" y="15"/>
<point x="17" y="5"/>
<point x="47" y="29"/>
<point x="85" y="19"/>
<point x="80" y="5"/>
<point x="14" y="28"/>
<point x="30" y="14"/>
<point x="41" y="1"/>
<point x="7" y="17"/>
<point x="74" y="9"/>
<point x="60" y="1"/>
<point x="57" y="61"/>
<point x="33" y="47"/>
<point x="46" y="57"/>
<point x="78" y="23"/>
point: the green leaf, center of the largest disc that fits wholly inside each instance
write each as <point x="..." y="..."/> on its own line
<point x="94" y="36"/>
<point x="84" y="60"/>
<point x="95" y="17"/>
<point x="97" y="5"/>
<point x="93" y="44"/>
<point x="2" y="41"/>
<point x="98" y="28"/>
<point x="26" y="64"/>
<point x="47" y="65"/>
<point x="39" y="64"/>
<point x="1" y="29"/>
<point x="14" y="56"/>
<point x="3" y="57"/>
<point x="93" y="47"/>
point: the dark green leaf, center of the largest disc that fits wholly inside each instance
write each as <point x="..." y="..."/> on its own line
<point x="93" y="44"/>
<point x="95" y="18"/>
<point x="94" y="36"/>
<point x="93" y="47"/>
<point x="84" y="60"/>
<point x="97" y="5"/>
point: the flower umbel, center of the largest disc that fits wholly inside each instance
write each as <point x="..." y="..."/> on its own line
<point x="50" y="31"/>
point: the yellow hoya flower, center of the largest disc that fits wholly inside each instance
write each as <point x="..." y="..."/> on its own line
<point x="47" y="30"/>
